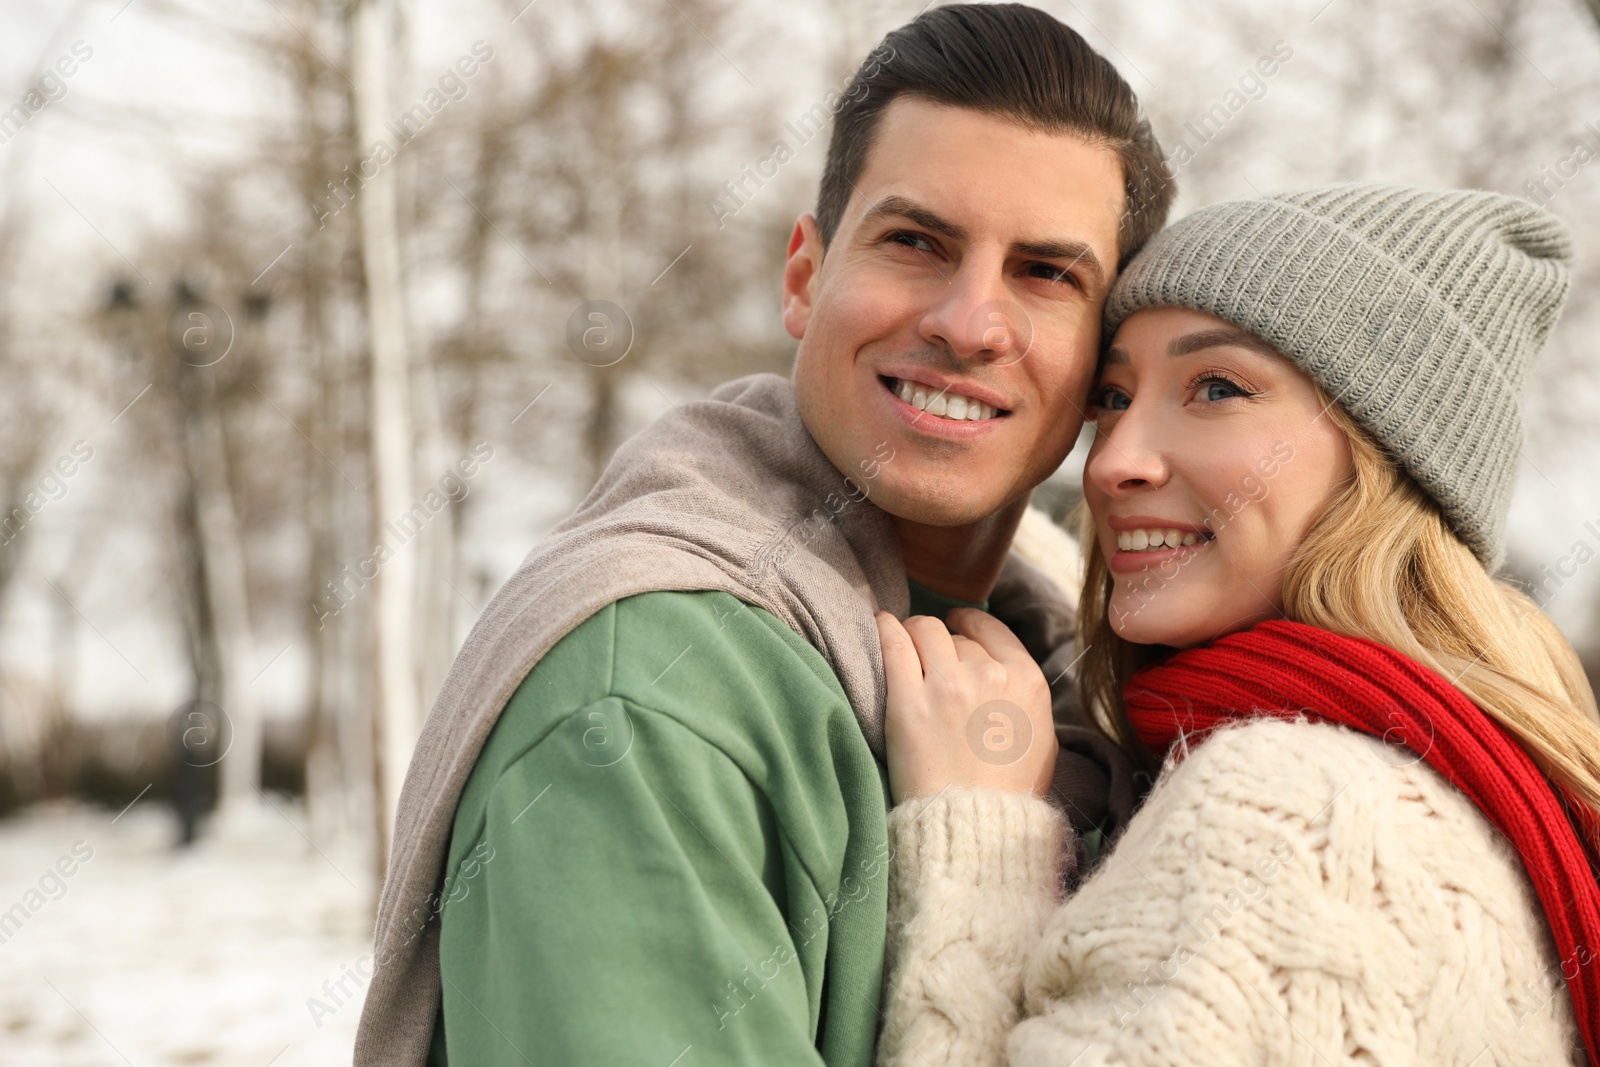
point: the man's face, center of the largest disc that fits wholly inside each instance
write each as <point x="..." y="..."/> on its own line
<point x="948" y="339"/>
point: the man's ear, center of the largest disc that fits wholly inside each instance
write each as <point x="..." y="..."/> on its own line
<point x="800" y="275"/>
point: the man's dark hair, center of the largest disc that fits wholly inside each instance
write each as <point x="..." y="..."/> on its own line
<point x="1015" y="62"/>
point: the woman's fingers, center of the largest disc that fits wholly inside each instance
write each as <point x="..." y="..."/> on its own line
<point x="968" y="650"/>
<point x="901" y="666"/>
<point x="992" y="635"/>
<point x="934" y="645"/>
<point x="938" y="683"/>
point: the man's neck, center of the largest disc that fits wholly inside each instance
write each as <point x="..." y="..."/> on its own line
<point x="960" y="562"/>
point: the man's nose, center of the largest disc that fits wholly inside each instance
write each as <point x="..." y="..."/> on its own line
<point x="975" y="316"/>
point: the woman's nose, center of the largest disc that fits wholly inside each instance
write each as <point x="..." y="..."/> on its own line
<point x="1128" y="455"/>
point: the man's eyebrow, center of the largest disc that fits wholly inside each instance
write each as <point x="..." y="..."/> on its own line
<point x="900" y="207"/>
<point x="1073" y="251"/>
<point x="1195" y="342"/>
<point x="1077" y="252"/>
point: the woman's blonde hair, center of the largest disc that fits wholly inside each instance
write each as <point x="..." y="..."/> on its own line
<point x="1381" y="563"/>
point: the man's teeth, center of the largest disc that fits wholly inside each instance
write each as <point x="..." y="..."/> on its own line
<point x="946" y="405"/>
<point x="1155" y="540"/>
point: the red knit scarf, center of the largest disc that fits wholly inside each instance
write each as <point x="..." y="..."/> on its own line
<point x="1288" y="670"/>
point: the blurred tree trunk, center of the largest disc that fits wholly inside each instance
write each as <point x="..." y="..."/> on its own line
<point x="396" y="713"/>
<point x="325" y="774"/>
<point x="24" y="420"/>
<point x="205" y="659"/>
<point x="220" y="550"/>
<point x="436" y="645"/>
<point x="338" y="776"/>
<point x="599" y="431"/>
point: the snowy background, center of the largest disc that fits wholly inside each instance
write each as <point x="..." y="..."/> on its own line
<point x="184" y="168"/>
<point x="212" y="955"/>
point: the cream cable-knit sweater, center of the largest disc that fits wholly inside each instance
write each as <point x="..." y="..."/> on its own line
<point x="1290" y="894"/>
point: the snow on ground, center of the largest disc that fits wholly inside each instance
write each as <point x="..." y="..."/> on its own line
<point x="147" y="955"/>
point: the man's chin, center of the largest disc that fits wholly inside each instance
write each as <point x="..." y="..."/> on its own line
<point x="939" y="503"/>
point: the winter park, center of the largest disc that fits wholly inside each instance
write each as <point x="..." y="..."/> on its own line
<point x="320" y="318"/>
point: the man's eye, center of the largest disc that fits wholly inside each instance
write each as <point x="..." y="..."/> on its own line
<point x="1053" y="274"/>
<point x="911" y="240"/>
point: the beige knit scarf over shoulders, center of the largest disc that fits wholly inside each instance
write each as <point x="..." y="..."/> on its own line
<point x="729" y="494"/>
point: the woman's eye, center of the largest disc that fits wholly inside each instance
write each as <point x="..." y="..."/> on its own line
<point x="1109" y="398"/>
<point x="1219" y="389"/>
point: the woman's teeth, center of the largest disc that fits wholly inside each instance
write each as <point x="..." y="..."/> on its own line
<point x="946" y="405"/>
<point x="1155" y="540"/>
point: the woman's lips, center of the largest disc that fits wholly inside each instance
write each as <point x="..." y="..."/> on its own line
<point x="1125" y="562"/>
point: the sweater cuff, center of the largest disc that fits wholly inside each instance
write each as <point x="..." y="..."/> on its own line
<point x="986" y="838"/>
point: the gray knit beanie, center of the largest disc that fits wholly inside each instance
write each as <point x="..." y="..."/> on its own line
<point x="1420" y="311"/>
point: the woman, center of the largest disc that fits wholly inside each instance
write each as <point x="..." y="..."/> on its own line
<point x="1371" y="841"/>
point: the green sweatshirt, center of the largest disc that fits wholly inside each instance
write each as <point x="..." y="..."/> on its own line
<point x="671" y="851"/>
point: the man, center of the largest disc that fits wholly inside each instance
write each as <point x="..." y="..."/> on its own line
<point x="656" y="765"/>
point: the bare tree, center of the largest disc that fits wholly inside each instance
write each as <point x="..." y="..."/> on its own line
<point x="397" y="713"/>
<point x="590" y="160"/>
<point x="1593" y="7"/>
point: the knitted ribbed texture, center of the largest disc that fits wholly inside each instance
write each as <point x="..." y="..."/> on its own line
<point x="1289" y="670"/>
<point x="972" y="878"/>
<point x="1296" y="894"/>
<point x="1420" y="311"/>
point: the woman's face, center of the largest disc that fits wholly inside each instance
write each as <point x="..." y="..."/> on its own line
<point x="1212" y="458"/>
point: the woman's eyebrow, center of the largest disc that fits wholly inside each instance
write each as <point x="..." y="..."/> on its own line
<point x="1195" y="342"/>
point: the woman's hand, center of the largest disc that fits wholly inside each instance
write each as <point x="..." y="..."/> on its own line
<point x="967" y="708"/>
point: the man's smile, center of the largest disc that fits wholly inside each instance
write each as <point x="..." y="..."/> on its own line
<point x="945" y="402"/>
<point x="940" y="411"/>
